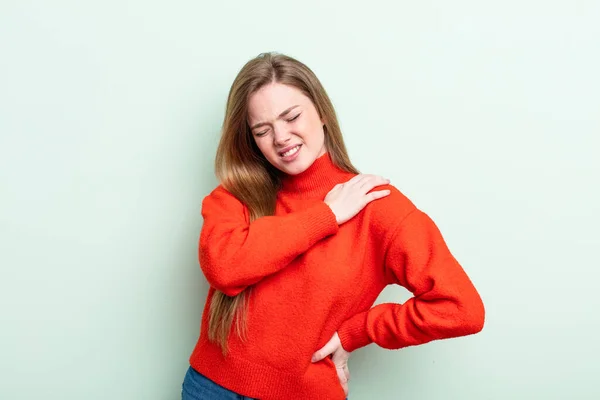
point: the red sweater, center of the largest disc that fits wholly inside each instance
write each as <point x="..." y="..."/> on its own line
<point x="311" y="278"/>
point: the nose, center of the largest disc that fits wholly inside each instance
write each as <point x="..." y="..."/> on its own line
<point x="281" y="135"/>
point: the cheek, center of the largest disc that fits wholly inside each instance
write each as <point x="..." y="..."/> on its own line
<point x="315" y="127"/>
<point x="309" y="130"/>
<point x="315" y="133"/>
<point x="264" y="148"/>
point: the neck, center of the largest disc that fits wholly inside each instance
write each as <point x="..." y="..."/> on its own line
<point x="316" y="181"/>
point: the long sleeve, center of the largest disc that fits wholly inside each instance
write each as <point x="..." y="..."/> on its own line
<point x="445" y="303"/>
<point x="235" y="253"/>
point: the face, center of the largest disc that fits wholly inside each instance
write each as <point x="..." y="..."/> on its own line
<point x="286" y="127"/>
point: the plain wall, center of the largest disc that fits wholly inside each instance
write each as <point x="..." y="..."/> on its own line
<point x="486" y="114"/>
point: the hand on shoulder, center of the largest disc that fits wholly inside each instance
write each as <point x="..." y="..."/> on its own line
<point x="349" y="198"/>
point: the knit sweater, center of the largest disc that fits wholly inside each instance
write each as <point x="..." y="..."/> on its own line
<point x="311" y="278"/>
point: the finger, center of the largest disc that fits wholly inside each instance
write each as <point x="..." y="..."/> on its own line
<point x="374" y="181"/>
<point x="376" y="195"/>
<point x="323" y="351"/>
<point x="343" y="381"/>
<point x="347" y="372"/>
<point x="357" y="179"/>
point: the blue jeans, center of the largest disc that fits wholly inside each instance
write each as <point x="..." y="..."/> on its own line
<point x="198" y="387"/>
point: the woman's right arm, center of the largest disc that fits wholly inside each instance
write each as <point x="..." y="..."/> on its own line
<point x="235" y="253"/>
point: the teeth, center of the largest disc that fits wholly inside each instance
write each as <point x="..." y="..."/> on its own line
<point x="292" y="151"/>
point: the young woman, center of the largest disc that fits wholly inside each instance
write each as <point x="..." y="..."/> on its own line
<point x="297" y="245"/>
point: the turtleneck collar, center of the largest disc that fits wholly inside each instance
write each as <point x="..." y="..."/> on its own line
<point x="316" y="181"/>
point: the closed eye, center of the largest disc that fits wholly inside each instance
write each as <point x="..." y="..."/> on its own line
<point x="293" y="118"/>
<point x="262" y="133"/>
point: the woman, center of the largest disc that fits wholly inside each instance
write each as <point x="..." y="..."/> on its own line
<point x="296" y="246"/>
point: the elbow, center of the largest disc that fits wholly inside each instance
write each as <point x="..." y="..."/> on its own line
<point x="475" y="324"/>
<point x="217" y="270"/>
<point x="220" y="277"/>
<point x="231" y="291"/>
<point x="473" y="315"/>
<point x="223" y="283"/>
<point x="226" y="287"/>
<point x="466" y="316"/>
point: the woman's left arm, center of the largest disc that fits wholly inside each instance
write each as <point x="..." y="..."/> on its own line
<point x="445" y="302"/>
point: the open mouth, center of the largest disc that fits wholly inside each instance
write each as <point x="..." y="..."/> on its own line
<point x="291" y="151"/>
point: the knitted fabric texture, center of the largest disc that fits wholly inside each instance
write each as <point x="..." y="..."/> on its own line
<point x="312" y="278"/>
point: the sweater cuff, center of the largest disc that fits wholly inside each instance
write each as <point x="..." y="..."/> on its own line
<point x="320" y="222"/>
<point x="353" y="332"/>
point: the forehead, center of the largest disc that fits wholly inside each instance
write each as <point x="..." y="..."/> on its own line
<point x="268" y="102"/>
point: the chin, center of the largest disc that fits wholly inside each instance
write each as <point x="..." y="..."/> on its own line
<point x="298" y="167"/>
<point x="294" y="171"/>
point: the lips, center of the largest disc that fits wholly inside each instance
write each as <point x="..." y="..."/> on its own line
<point x="285" y="150"/>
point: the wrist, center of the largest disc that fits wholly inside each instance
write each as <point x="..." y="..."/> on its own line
<point x="333" y="212"/>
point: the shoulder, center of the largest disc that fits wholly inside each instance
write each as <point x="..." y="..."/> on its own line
<point x="396" y="204"/>
<point x="221" y="200"/>
<point x="387" y="213"/>
<point x="218" y="194"/>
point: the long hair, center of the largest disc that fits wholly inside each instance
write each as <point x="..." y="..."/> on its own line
<point x="245" y="172"/>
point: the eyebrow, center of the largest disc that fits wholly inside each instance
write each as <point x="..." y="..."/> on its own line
<point x="283" y="114"/>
